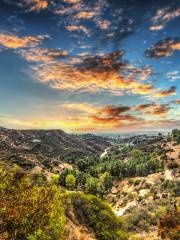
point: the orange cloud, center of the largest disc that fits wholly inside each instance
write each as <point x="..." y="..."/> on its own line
<point x="165" y="93"/>
<point x="81" y="107"/>
<point x="111" y="117"/>
<point x="72" y="1"/>
<point x="37" y="5"/>
<point x="177" y="101"/>
<point x="42" y="55"/>
<point x="114" y="110"/>
<point x="156" y="27"/>
<point x="176" y="46"/>
<point x="141" y="74"/>
<point x="104" y="24"/>
<point x="158" y="110"/>
<point x="67" y="77"/>
<point x="84" y="117"/>
<point x="153" y="109"/>
<point x="163" y="48"/>
<point x="15" y="42"/>
<point x="73" y="28"/>
<point x="85" y="15"/>
<point x="91" y="74"/>
<point x="144" y="106"/>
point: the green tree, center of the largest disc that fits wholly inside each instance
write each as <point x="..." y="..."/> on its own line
<point x="98" y="215"/>
<point x="70" y="182"/>
<point x="28" y="211"/>
<point x="104" y="183"/>
<point x="91" y="185"/>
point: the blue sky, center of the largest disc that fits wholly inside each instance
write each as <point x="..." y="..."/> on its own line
<point x="90" y="66"/>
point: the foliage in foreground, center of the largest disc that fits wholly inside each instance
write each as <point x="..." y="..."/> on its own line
<point x="169" y="225"/>
<point x="31" y="211"/>
<point x="28" y="211"/>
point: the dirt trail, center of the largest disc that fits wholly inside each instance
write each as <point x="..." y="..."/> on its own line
<point x="121" y="211"/>
<point x="104" y="153"/>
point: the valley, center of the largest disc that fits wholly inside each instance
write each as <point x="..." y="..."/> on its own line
<point x="137" y="177"/>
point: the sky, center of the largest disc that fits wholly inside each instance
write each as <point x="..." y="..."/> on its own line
<point x="98" y="66"/>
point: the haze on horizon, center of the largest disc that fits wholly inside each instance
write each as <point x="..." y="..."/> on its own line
<point x="101" y="66"/>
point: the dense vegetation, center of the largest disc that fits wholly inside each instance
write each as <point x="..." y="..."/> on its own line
<point x="95" y="213"/>
<point x="28" y="211"/>
<point x="94" y="175"/>
<point x="168" y="226"/>
<point x="176" y="135"/>
<point x="33" y="209"/>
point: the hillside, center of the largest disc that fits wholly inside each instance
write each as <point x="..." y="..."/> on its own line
<point x="139" y="178"/>
<point x="128" y="188"/>
<point x="46" y="148"/>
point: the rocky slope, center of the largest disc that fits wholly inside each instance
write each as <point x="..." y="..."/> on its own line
<point x="141" y="201"/>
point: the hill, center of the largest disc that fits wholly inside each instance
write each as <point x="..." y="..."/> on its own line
<point x="129" y="187"/>
<point x="46" y="148"/>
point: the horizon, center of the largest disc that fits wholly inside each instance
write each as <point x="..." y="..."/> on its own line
<point x="101" y="134"/>
<point x="81" y="66"/>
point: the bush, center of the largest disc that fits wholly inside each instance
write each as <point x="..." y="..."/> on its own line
<point x="168" y="227"/>
<point x="29" y="211"/>
<point x="70" y="182"/>
<point x="95" y="213"/>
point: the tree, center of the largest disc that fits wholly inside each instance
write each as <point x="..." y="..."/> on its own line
<point x="98" y="215"/>
<point x="176" y="135"/>
<point x="104" y="183"/>
<point x="28" y="211"/>
<point x="70" y="182"/>
<point x="91" y="185"/>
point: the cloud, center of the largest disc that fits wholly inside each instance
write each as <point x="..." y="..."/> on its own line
<point x="103" y="28"/>
<point x="163" y="48"/>
<point x="177" y="101"/>
<point x="173" y="75"/>
<point x="30" y="5"/>
<point x="114" y="116"/>
<point x="112" y="121"/>
<point x="140" y="74"/>
<point x="158" y="110"/>
<point x="165" y="93"/>
<point x="163" y="16"/>
<point x="144" y="106"/>
<point x="114" y="110"/>
<point x="74" y="28"/>
<point x="90" y="74"/>
<point x="72" y="1"/>
<point x="81" y="108"/>
<point x="85" y="117"/>
<point x="103" y="24"/>
<point x="156" y="27"/>
<point x="85" y="15"/>
<point x="42" y="55"/>
<point x="154" y="109"/>
<point x="37" y="5"/>
<point x="15" y="42"/>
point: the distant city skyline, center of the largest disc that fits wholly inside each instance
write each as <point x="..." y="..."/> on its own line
<point x="85" y="66"/>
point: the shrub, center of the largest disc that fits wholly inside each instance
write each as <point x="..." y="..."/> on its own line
<point x="70" y="182"/>
<point x="29" y="211"/>
<point x="95" y="213"/>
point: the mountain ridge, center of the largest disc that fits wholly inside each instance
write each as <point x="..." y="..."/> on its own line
<point x="45" y="146"/>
